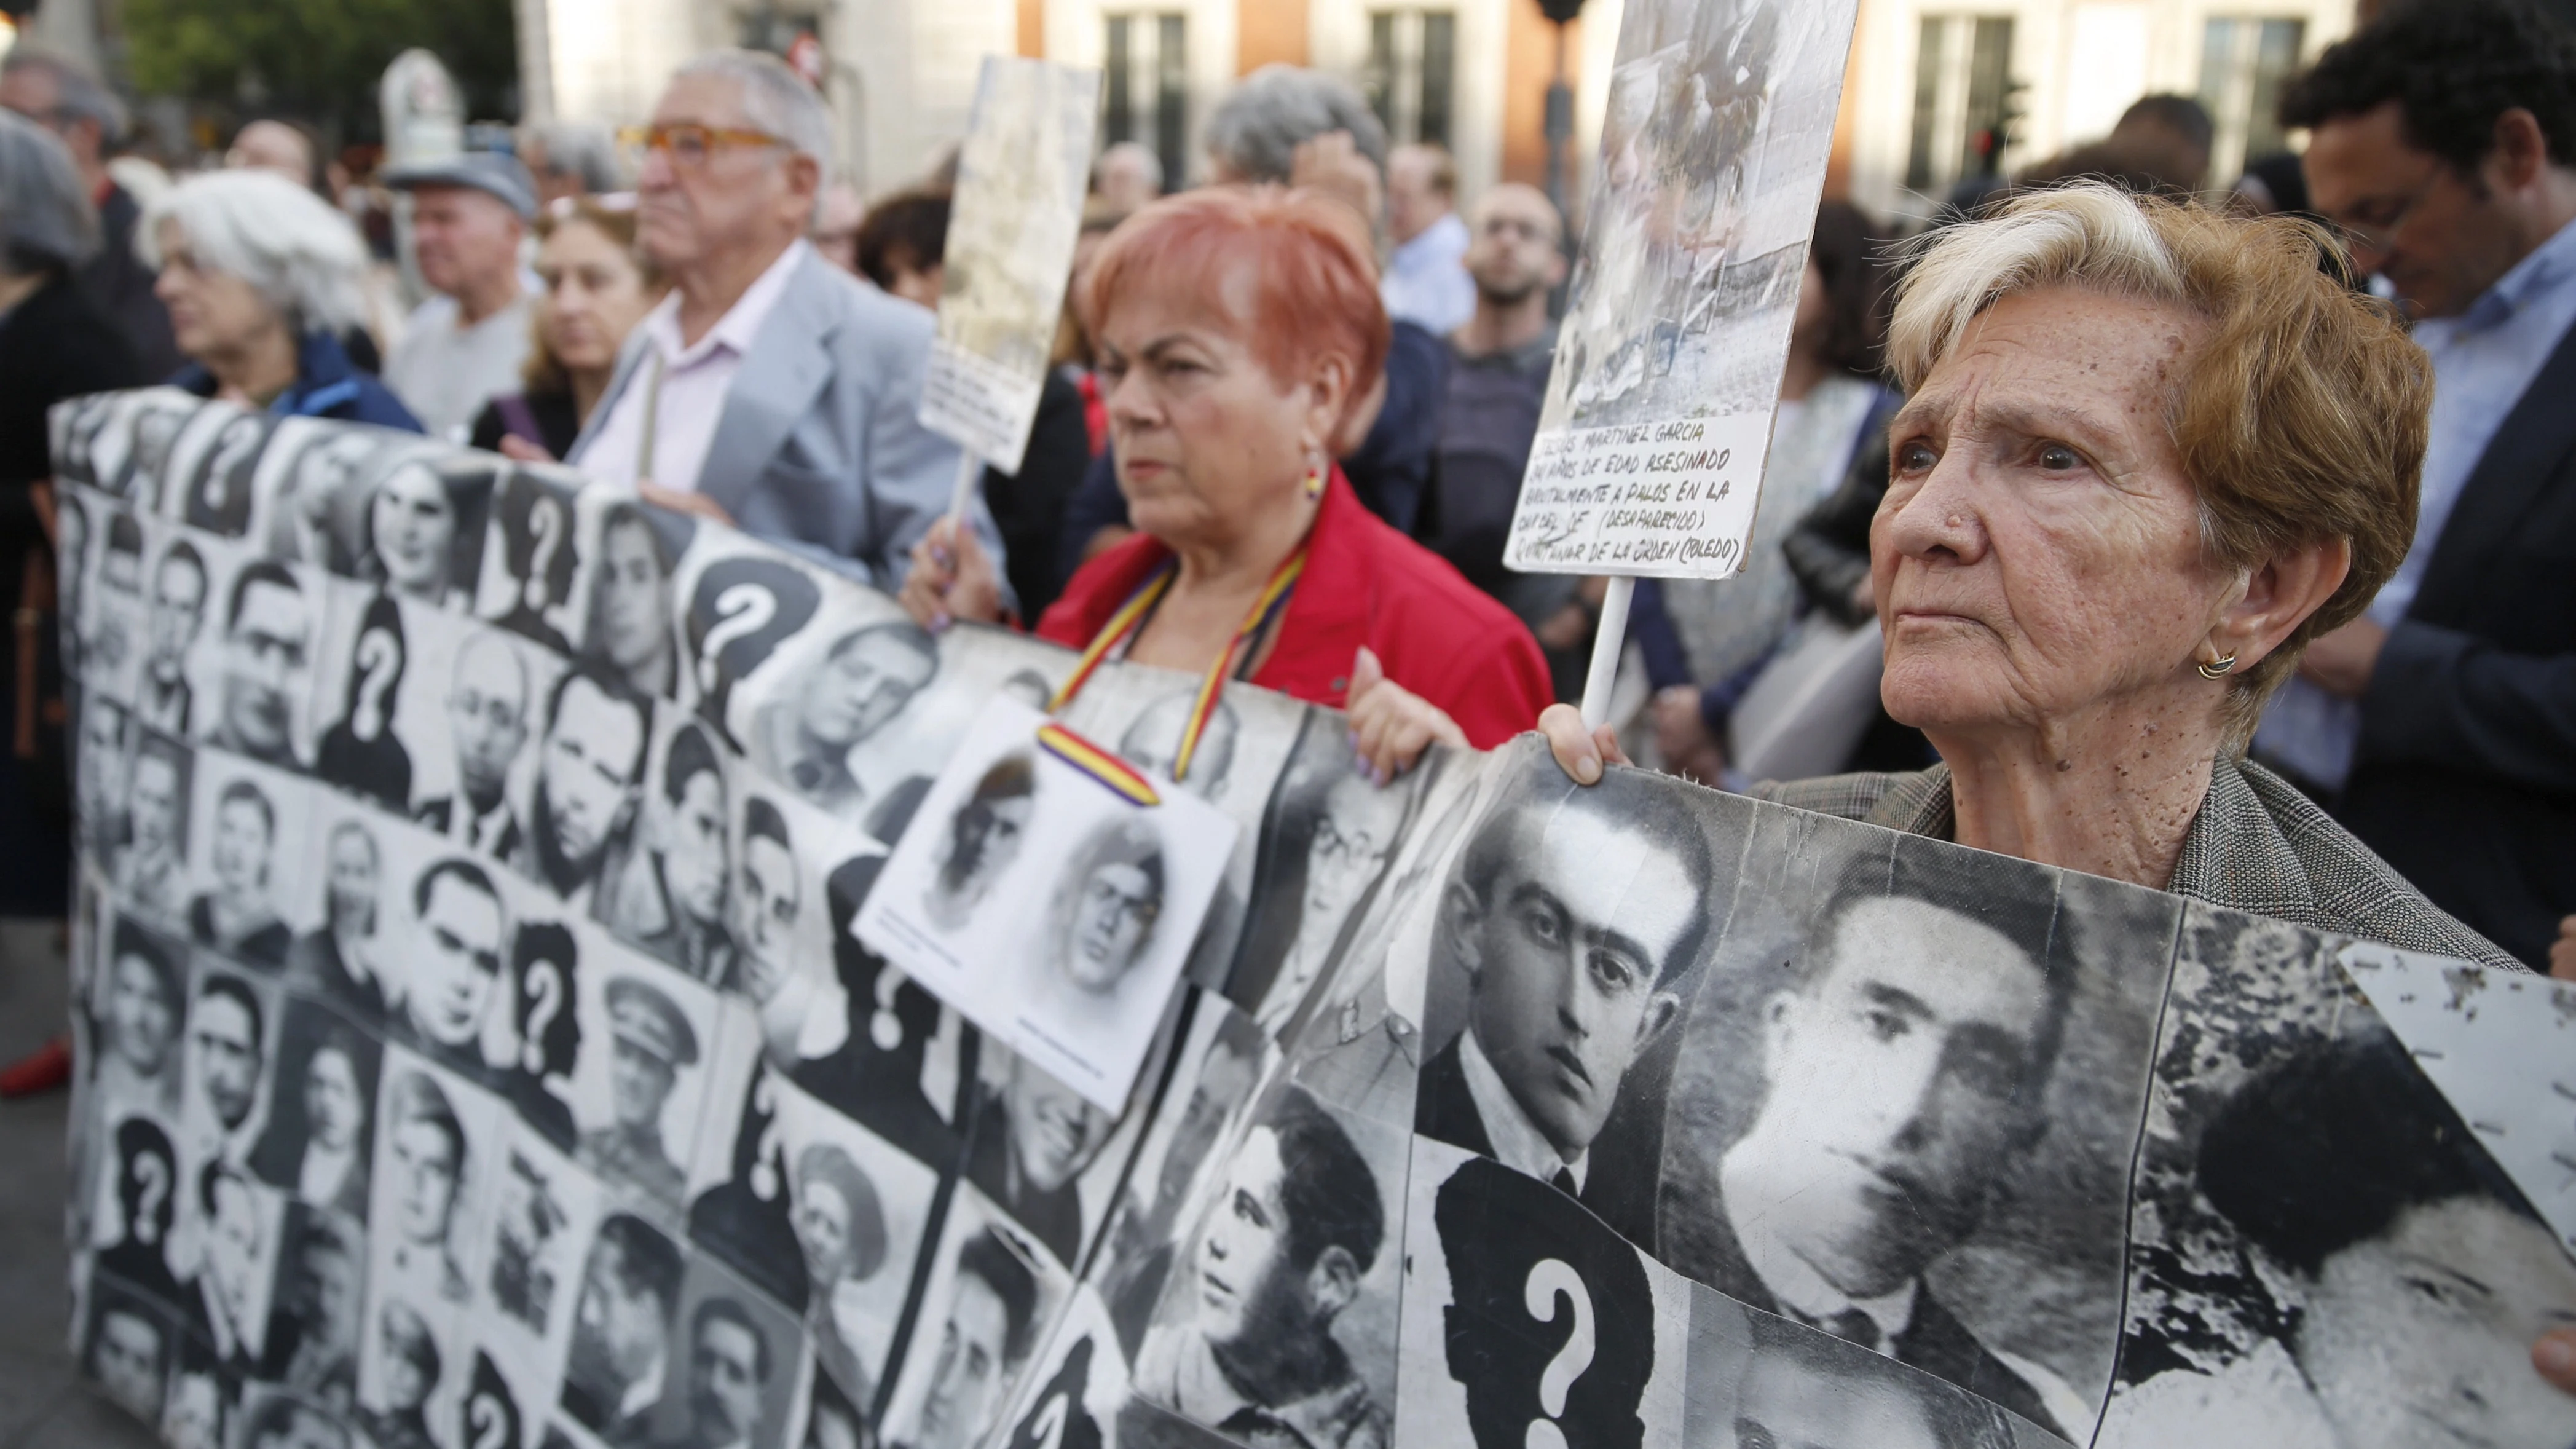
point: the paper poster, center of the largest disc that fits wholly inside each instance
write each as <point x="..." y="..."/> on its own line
<point x="1651" y="441"/>
<point x="1021" y="179"/>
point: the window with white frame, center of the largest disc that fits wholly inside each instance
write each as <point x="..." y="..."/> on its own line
<point x="2243" y="62"/>
<point x="1147" y="84"/>
<point x="1412" y="74"/>
<point x="1962" y="94"/>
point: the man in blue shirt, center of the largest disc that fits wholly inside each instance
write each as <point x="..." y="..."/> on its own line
<point x="2442" y="724"/>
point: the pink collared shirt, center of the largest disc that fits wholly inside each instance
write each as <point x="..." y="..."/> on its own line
<point x="683" y="387"/>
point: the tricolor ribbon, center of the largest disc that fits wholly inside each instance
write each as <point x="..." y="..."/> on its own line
<point x="1131" y="616"/>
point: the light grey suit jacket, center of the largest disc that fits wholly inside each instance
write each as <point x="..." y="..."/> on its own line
<point x="818" y="448"/>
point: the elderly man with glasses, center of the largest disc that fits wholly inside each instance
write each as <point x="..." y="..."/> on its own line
<point x="768" y="390"/>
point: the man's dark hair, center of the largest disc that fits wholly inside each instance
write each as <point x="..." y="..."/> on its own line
<point x="1325" y="1186"/>
<point x="114" y="1301"/>
<point x="2331" y="1145"/>
<point x="132" y="940"/>
<point x="1974" y="888"/>
<point x="2453" y="67"/>
<point x="238" y="992"/>
<point x="419" y="1098"/>
<point x="124" y="535"/>
<point x="646" y="1261"/>
<point x="217" y="1170"/>
<point x="2180" y="114"/>
<point x="989" y="1258"/>
<point x="727" y="1310"/>
<point x="240" y="790"/>
<point x="1958" y="1419"/>
<point x="761" y="821"/>
<point x="184" y="552"/>
<point x="617" y="691"/>
<point x="261" y="571"/>
<point x="136" y="1139"/>
<point x="321" y="1234"/>
<point x="467" y="874"/>
<point x="1639" y="803"/>
<point x="1013" y="777"/>
<point x="688" y="757"/>
<point x="1855" y="284"/>
<point x="907" y="232"/>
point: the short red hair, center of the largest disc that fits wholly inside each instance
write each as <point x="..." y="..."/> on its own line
<point x="1313" y="273"/>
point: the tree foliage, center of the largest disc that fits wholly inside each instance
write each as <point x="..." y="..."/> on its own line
<point x="317" y="59"/>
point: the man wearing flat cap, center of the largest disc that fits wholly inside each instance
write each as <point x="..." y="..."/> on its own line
<point x="840" y="1228"/>
<point x="649" y="1042"/>
<point x="464" y="346"/>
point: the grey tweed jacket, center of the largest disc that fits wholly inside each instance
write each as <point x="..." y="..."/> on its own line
<point x="2258" y="845"/>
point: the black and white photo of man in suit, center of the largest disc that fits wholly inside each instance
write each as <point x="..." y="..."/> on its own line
<point x="590" y="770"/>
<point x="1572" y="912"/>
<point x="452" y="968"/>
<point x="163" y="697"/>
<point x="621" y="1335"/>
<point x="487" y="720"/>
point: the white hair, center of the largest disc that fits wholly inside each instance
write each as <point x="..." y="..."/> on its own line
<point x="298" y="254"/>
<point x="1257" y="128"/>
<point x="774" y="99"/>
<point x="2089" y="234"/>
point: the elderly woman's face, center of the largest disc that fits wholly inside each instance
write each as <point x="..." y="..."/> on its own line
<point x="212" y="314"/>
<point x="1205" y="435"/>
<point x="2038" y="554"/>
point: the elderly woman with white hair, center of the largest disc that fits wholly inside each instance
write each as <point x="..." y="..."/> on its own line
<point x="262" y="278"/>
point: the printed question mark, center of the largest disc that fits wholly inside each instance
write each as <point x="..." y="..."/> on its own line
<point x="488" y="1423"/>
<point x="884" y="1027"/>
<point x="546" y="525"/>
<point x="1547" y="1278"/>
<point x="766" y="1177"/>
<point x="544" y="986"/>
<point x="154" y="1176"/>
<point x="375" y="659"/>
<point x="739" y="610"/>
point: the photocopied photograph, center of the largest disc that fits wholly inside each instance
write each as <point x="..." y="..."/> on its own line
<point x="253" y="674"/>
<point x="735" y="604"/>
<point x="732" y="1369"/>
<point x="638" y="1087"/>
<point x="251" y="854"/>
<point x="859" y="1212"/>
<point x="988" y="1297"/>
<point x="1051" y="895"/>
<point x="439" y="1150"/>
<point x="1760" y="1381"/>
<point x="1047" y="1155"/>
<point x="532" y="558"/>
<point x="625" y="555"/>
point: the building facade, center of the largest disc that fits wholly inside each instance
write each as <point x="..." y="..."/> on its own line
<point x="1936" y="89"/>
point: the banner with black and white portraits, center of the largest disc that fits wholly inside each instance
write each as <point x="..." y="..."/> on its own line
<point x="548" y="972"/>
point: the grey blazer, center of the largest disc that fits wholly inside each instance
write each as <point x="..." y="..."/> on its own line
<point x="2257" y="845"/>
<point x="818" y="448"/>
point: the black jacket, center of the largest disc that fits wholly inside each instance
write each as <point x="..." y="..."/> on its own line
<point x="2465" y="779"/>
<point x="121" y="285"/>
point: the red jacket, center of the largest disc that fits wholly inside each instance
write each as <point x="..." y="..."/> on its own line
<point x="1438" y="635"/>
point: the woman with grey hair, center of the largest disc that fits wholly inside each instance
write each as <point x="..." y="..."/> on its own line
<point x="261" y="278"/>
<point x="55" y="343"/>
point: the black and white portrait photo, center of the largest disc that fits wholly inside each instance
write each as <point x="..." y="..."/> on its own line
<point x="263" y="664"/>
<point x="538" y="1202"/>
<point x="858" y="1211"/>
<point x="1283" y="1316"/>
<point x="102" y="769"/>
<point x="201" y="1405"/>
<point x="139" y="1016"/>
<point x="742" y="607"/>
<point x="1571" y="914"/>
<point x="489" y="694"/>
<point x="406" y="1366"/>
<point x="1034" y="1138"/>
<point x="530" y="591"/>
<point x="321" y="1124"/>
<point x="628" y="631"/>
<point x="150" y="864"/>
<point x="232" y="1027"/>
<point x="146" y="1187"/>
<point x="419" y="533"/>
<point x="220" y="484"/>
<point x="450" y="965"/>
<point x="437" y="1141"/>
<point x="981" y="840"/>
<point x="625" y="1343"/>
<point x="545" y="1017"/>
<point x="636" y="1097"/>
<point x="279" y="1420"/>
<point x="732" y="1379"/>
<point x="668" y="895"/>
<point x="253" y="845"/>
<point x="321" y="1307"/>
<point x="976" y="1335"/>
<point x="862" y="679"/>
<point x="1760" y="1381"/>
<point x="345" y="959"/>
<point x="590" y="780"/>
<point x="112" y="643"/>
<point x="236" y="1226"/>
<point x="128" y="1350"/>
<point x="164" y="695"/>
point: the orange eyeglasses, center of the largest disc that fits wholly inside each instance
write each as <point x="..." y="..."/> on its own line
<point x="691" y="145"/>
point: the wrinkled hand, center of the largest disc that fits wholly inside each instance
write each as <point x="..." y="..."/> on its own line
<point x="519" y="450"/>
<point x="2342" y="662"/>
<point x="1390" y="725"/>
<point x="678" y="502"/>
<point x="2555" y="1357"/>
<point x="952" y="578"/>
<point x="1682" y="737"/>
<point x="2562" y="952"/>
<point x="1332" y="164"/>
<point x="1579" y="752"/>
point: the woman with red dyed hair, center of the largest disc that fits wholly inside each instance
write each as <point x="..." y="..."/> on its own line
<point x="1239" y="331"/>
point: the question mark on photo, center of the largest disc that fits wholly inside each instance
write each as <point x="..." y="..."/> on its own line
<point x="1548" y="1278"/>
<point x="488" y="1422"/>
<point x="770" y="1157"/>
<point x="152" y="1176"/>
<point x="884" y="1027"/>
<point x="740" y="610"/>
<point x="545" y="531"/>
<point x="544" y="986"/>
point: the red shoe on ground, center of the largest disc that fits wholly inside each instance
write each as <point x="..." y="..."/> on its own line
<point x="42" y="1070"/>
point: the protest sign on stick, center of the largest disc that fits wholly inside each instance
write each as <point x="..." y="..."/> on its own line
<point x="1651" y="442"/>
<point x="1021" y="177"/>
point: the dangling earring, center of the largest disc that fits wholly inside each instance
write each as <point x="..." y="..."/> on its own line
<point x="2217" y="669"/>
<point x="1314" y="482"/>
